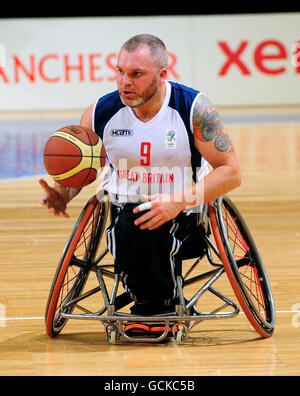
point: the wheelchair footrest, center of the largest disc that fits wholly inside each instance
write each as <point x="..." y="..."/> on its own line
<point x="148" y="332"/>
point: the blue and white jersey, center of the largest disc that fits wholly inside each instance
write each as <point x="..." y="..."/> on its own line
<point x="151" y="157"/>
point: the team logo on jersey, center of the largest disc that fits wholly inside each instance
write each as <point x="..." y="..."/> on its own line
<point x="121" y="132"/>
<point x="170" y="138"/>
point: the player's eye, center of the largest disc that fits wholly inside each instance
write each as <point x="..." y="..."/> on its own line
<point x="120" y="71"/>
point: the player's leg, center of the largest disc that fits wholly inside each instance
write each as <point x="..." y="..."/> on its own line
<point x="148" y="262"/>
<point x="144" y="258"/>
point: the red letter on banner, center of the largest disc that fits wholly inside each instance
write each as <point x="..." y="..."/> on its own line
<point x="233" y="58"/>
<point x="19" y="65"/>
<point x="172" y="65"/>
<point x="2" y="73"/>
<point x="94" y="67"/>
<point x="296" y="60"/>
<point x="41" y="69"/>
<point x="78" y="67"/>
<point x="260" y="57"/>
<point x="111" y="66"/>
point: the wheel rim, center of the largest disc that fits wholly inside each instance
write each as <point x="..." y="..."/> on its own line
<point x="73" y="269"/>
<point x="246" y="275"/>
<point x="247" y="264"/>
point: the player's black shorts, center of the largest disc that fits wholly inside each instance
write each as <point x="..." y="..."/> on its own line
<point x="148" y="260"/>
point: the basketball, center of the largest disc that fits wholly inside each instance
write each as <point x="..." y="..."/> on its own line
<point x="73" y="155"/>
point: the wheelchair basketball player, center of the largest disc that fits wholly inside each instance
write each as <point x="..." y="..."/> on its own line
<point x="159" y="136"/>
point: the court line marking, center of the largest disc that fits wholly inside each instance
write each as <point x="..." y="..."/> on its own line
<point x="26" y="318"/>
<point x="27" y="177"/>
<point x="266" y="118"/>
<point x="42" y="317"/>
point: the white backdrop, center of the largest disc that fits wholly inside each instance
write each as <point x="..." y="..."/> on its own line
<point x="67" y="63"/>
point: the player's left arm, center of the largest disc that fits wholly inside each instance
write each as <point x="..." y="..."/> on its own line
<point x="214" y="144"/>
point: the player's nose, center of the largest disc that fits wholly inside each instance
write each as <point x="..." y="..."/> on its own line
<point x="126" y="80"/>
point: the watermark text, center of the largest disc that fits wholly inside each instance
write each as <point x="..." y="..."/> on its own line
<point x="2" y="315"/>
<point x="2" y="55"/>
<point x="296" y="316"/>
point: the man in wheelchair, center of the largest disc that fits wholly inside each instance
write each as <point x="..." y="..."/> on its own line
<point x="159" y="137"/>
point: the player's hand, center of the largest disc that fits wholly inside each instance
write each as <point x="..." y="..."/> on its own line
<point x="53" y="200"/>
<point x="162" y="207"/>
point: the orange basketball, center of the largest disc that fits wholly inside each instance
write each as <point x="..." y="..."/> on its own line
<point x="73" y="155"/>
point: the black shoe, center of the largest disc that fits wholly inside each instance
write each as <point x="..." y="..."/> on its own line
<point x="137" y="330"/>
<point x="159" y="328"/>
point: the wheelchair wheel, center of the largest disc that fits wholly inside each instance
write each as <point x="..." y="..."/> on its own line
<point x="243" y="265"/>
<point x="74" y="266"/>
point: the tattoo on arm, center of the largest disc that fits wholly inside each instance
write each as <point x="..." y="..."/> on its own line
<point x="207" y="125"/>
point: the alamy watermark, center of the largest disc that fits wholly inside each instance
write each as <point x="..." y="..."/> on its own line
<point x="2" y="55"/>
<point x="296" y="316"/>
<point x="174" y="184"/>
<point x="296" y="55"/>
<point x="2" y="315"/>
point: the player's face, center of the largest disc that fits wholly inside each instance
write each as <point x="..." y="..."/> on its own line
<point x="138" y="77"/>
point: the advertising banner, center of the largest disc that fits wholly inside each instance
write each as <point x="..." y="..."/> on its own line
<point x="67" y="63"/>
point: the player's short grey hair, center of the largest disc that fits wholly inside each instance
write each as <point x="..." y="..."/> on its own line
<point x="157" y="47"/>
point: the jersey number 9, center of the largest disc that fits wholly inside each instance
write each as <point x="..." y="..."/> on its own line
<point x="145" y="153"/>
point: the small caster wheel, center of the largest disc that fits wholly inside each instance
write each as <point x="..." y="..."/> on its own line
<point x="112" y="337"/>
<point x="180" y="337"/>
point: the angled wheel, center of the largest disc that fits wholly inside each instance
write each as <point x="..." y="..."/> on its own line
<point x="74" y="266"/>
<point x="243" y="265"/>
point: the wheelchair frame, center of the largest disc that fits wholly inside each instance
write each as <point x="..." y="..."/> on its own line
<point x="258" y="305"/>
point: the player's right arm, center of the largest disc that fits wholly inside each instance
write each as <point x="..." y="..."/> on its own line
<point x="57" y="197"/>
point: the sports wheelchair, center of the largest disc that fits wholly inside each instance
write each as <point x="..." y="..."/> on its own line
<point x="85" y="285"/>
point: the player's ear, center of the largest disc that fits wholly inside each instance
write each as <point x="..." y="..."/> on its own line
<point x="163" y="74"/>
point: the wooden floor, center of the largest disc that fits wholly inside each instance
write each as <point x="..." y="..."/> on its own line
<point x="31" y="242"/>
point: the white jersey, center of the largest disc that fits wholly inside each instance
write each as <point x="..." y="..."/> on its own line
<point x="151" y="157"/>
